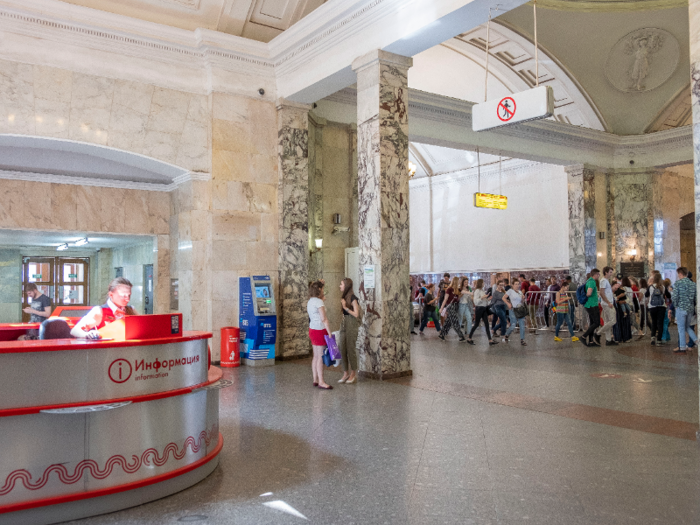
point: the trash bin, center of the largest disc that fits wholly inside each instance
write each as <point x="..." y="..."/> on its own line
<point x="230" y="347"/>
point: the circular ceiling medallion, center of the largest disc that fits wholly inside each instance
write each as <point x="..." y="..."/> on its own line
<point x="610" y="5"/>
<point x="642" y="60"/>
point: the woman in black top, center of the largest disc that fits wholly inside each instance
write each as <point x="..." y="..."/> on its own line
<point x="348" y="331"/>
<point x="622" y="331"/>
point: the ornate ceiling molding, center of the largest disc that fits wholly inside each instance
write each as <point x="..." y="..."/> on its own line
<point x="677" y="113"/>
<point x="513" y="62"/>
<point x="610" y="5"/>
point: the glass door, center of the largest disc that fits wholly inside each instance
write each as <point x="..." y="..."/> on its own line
<point x="40" y="271"/>
<point x="72" y="280"/>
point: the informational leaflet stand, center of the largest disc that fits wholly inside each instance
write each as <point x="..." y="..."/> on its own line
<point x="258" y="320"/>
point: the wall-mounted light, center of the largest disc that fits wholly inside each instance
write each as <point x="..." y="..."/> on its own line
<point x="633" y="255"/>
<point x="600" y="254"/>
<point x="81" y="242"/>
<point x="411" y="169"/>
<point x="62" y="247"/>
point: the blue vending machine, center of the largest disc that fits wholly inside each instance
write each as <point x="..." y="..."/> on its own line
<point x="258" y="320"/>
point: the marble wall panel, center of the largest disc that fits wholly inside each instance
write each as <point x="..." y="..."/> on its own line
<point x="631" y="193"/>
<point x="292" y="249"/>
<point x="17" y="98"/>
<point x="382" y="146"/>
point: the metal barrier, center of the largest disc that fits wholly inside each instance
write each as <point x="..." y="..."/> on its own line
<point x="543" y="317"/>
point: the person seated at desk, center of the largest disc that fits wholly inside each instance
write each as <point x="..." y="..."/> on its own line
<point x="116" y="307"/>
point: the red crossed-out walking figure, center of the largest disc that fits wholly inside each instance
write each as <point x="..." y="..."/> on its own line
<point x="506" y="109"/>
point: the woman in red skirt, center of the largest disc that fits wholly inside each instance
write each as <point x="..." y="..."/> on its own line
<point x="318" y="328"/>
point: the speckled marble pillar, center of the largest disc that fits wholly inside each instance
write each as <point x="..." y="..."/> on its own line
<point x="582" y="221"/>
<point x="382" y="170"/>
<point x="293" y="196"/>
<point x="631" y="213"/>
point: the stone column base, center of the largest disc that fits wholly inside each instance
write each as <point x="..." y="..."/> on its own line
<point x="385" y="377"/>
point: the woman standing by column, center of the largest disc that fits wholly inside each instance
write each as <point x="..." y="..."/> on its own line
<point x="481" y="303"/>
<point x="348" y="331"/>
<point x="318" y="328"/>
<point x="451" y="306"/>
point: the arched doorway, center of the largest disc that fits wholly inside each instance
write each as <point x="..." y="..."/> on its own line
<point x="688" y="242"/>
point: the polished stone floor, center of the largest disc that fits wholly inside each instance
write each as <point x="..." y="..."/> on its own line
<point x="551" y="433"/>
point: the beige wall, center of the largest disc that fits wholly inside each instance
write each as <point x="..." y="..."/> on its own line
<point x="333" y="189"/>
<point x="211" y="230"/>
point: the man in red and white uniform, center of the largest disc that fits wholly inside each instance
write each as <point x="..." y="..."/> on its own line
<point x="116" y="307"/>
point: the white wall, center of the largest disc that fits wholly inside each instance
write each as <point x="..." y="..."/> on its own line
<point x="532" y="233"/>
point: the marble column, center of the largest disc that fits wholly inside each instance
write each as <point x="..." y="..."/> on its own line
<point x="694" y="19"/>
<point x="293" y="196"/>
<point x="316" y="216"/>
<point x="631" y="216"/>
<point x="382" y="170"/>
<point x="582" y="221"/>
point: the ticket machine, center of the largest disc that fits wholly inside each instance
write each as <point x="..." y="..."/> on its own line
<point x="258" y="320"/>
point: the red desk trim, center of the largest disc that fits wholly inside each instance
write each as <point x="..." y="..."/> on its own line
<point x="214" y="375"/>
<point x="55" y="345"/>
<point x="25" y="505"/>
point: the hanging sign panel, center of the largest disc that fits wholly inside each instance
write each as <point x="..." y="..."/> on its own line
<point x="489" y="200"/>
<point x="533" y="104"/>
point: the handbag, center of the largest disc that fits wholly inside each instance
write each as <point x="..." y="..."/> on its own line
<point x="327" y="361"/>
<point x="520" y="311"/>
<point x="333" y="349"/>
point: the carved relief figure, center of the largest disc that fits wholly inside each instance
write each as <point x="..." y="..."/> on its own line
<point x="642" y="47"/>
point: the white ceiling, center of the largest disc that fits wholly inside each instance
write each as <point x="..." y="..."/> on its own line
<point x="436" y="160"/>
<point x="255" y="19"/>
<point x="28" y="238"/>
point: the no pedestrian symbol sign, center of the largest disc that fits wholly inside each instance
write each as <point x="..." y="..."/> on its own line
<point x="506" y="109"/>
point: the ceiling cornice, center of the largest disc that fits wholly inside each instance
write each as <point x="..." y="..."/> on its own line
<point x="610" y="6"/>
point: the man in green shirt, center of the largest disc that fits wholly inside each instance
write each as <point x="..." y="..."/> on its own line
<point x="591" y="306"/>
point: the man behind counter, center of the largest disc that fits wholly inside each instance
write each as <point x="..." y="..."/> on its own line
<point x="116" y="307"/>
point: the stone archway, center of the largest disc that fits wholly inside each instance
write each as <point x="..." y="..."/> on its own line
<point x="688" y="258"/>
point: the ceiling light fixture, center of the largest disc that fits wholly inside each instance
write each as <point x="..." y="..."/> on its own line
<point x="411" y="169"/>
<point x="81" y="242"/>
<point x="62" y="247"/>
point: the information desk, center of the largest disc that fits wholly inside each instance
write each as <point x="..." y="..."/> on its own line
<point x="89" y="427"/>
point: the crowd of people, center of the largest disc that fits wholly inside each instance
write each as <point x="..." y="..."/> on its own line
<point x="619" y="309"/>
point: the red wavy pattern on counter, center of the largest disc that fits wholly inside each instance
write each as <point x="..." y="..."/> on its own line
<point x="146" y="457"/>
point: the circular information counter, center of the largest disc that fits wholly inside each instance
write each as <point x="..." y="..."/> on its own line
<point x="89" y="427"/>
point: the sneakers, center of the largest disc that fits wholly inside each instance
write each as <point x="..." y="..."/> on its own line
<point x="441" y="337"/>
<point x="611" y="343"/>
<point x="557" y="339"/>
<point x="596" y="337"/>
<point x="522" y="342"/>
<point x="505" y="339"/>
<point x="583" y="342"/>
<point x="463" y="340"/>
<point x="574" y="339"/>
<point x="421" y="333"/>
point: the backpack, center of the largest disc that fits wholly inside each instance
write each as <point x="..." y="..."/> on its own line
<point x="657" y="298"/>
<point x="581" y="295"/>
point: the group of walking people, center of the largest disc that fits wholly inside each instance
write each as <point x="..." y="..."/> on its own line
<point x="465" y="307"/>
<point x="613" y="304"/>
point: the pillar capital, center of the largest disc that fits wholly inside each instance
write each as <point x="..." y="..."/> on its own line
<point x="378" y="56"/>
<point x="284" y="104"/>
<point x="586" y="170"/>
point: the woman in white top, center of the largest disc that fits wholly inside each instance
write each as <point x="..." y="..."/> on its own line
<point x="514" y="298"/>
<point x="318" y="328"/>
<point x="481" y="302"/>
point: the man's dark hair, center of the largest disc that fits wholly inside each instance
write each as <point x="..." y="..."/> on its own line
<point x="568" y="278"/>
<point x="606" y="270"/>
<point x="683" y="271"/>
<point x="595" y="271"/>
<point x="532" y="280"/>
<point x="447" y="275"/>
<point x="522" y="276"/>
<point x="505" y="281"/>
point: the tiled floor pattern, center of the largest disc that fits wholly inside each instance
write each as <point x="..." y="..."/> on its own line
<point x="502" y="435"/>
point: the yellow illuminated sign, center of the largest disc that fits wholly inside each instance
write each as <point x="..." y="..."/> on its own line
<point x="489" y="200"/>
